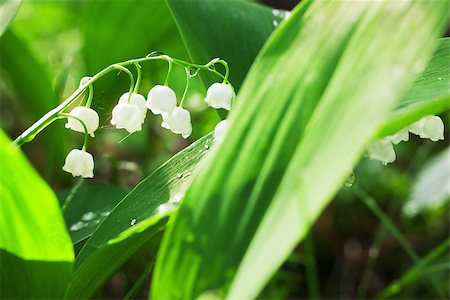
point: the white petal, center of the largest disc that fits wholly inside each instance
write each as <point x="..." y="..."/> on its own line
<point x="138" y="100"/>
<point x="179" y="122"/>
<point x="79" y="163"/>
<point x="221" y="130"/>
<point x="87" y="115"/>
<point x="161" y="99"/>
<point x="402" y="135"/>
<point x="220" y="95"/>
<point x="381" y="150"/>
<point x="431" y="127"/>
<point x="127" y="116"/>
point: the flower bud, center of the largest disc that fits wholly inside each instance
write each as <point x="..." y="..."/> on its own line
<point x="431" y="127"/>
<point x="87" y="115"/>
<point x="220" y="95"/>
<point x="138" y="100"/>
<point x="221" y="130"/>
<point x="381" y="150"/>
<point x="79" y="163"/>
<point x="127" y="116"/>
<point x="84" y="80"/>
<point x="402" y="135"/>
<point x="161" y="100"/>
<point x="179" y="122"/>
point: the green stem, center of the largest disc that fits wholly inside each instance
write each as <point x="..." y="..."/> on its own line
<point x="51" y="116"/>
<point x="90" y="96"/>
<point x="135" y="288"/>
<point x="415" y="271"/>
<point x="311" y="269"/>
<point x="86" y="133"/>
<point x="385" y="220"/>
<point x="188" y="77"/>
<point x="169" y="62"/>
<point x="138" y="78"/>
<point x="121" y="68"/>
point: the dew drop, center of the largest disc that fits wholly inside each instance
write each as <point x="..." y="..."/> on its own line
<point x="275" y="23"/>
<point x="179" y="175"/>
<point x="384" y="163"/>
<point x="206" y="146"/>
<point x="439" y="78"/>
<point x="188" y="174"/>
<point x="133" y="222"/>
<point x="350" y="180"/>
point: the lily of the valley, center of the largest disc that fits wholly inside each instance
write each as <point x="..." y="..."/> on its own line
<point x="138" y="100"/>
<point x="79" y="163"/>
<point x="161" y="100"/>
<point x="87" y="115"/>
<point x="430" y="127"/>
<point x="220" y="95"/>
<point x="220" y="130"/>
<point x="179" y="122"/>
<point x="381" y="150"/>
<point x="127" y="116"/>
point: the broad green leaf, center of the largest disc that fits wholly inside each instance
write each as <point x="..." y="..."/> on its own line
<point x="135" y="220"/>
<point x="235" y="31"/>
<point x="87" y="205"/>
<point x="318" y="91"/>
<point x="428" y="95"/>
<point x="8" y="10"/>
<point x="36" y="252"/>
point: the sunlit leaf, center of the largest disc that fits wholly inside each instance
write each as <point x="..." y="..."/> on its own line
<point x="36" y="252"/>
<point x="135" y="220"/>
<point x="309" y="105"/>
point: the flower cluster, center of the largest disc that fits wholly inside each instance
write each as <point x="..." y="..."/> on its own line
<point x="431" y="127"/>
<point x="130" y="113"/>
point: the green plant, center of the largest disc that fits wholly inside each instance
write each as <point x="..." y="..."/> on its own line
<point x="333" y="80"/>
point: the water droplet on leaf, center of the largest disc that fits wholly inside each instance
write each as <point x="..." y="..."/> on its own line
<point x="133" y="222"/>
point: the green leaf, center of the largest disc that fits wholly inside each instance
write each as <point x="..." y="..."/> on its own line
<point x="236" y="31"/>
<point x="36" y="252"/>
<point x="134" y="221"/>
<point x="87" y="205"/>
<point x="8" y="10"/>
<point x="428" y="95"/>
<point x="318" y="91"/>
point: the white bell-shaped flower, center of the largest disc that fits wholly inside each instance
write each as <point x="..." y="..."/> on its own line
<point x="431" y="127"/>
<point x="79" y="163"/>
<point x="221" y="130"/>
<point x="87" y="115"/>
<point x="127" y="116"/>
<point x="381" y="150"/>
<point x="220" y="95"/>
<point x="179" y="122"/>
<point x="402" y="135"/>
<point x="138" y="100"/>
<point x="161" y="100"/>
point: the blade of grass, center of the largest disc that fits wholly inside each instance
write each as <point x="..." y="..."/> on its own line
<point x="389" y="225"/>
<point x="415" y="271"/>
<point x="312" y="278"/>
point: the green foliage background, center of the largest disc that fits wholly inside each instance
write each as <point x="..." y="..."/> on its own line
<point x="324" y="85"/>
